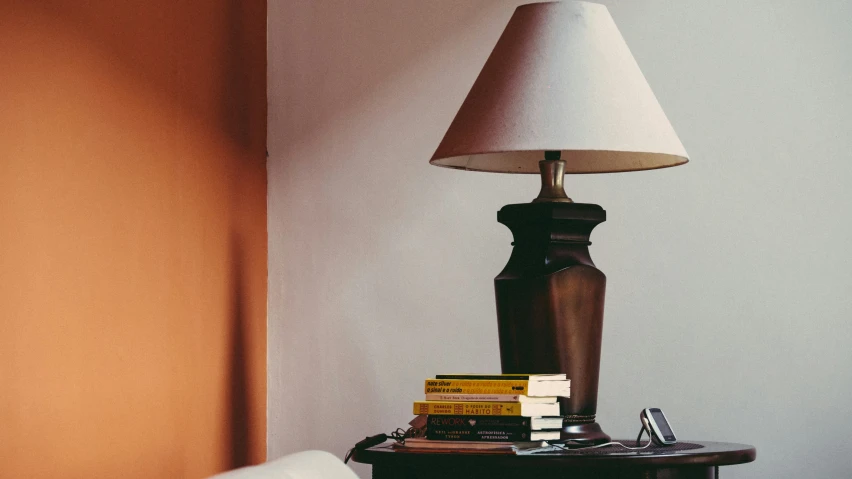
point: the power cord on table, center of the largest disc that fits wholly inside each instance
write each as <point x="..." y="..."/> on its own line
<point x="645" y="427"/>
<point x="418" y="425"/>
<point x="398" y="435"/>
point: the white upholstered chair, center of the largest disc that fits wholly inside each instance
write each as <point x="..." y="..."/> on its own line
<point x="301" y="465"/>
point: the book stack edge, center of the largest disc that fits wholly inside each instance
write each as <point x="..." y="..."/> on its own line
<point x="489" y="414"/>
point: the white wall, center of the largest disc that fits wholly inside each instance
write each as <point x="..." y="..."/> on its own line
<point x="728" y="300"/>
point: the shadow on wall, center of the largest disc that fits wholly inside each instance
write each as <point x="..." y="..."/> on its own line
<point x="211" y="75"/>
<point x="236" y="94"/>
<point x="354" y="93"/>
<point x="344" y="57"/>
<point x="240" y="394"/>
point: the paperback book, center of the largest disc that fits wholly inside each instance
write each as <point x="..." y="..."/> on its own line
<point x="491" y="398"/>
<point x="491" y="428"/>
<point x="524" y="387"/>
<point x="503" y="377"/>
<point x="462" y="408"/>
<point x="471" y="447"/>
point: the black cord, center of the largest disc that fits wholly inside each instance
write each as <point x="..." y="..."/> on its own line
<point x="398" y="435"/>
<point x="348" y="455"/>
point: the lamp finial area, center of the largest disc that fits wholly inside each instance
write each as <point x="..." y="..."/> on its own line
<point x="553" y="155"/>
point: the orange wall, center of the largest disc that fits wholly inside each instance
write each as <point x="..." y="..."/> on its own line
<point x="132" y="237"/>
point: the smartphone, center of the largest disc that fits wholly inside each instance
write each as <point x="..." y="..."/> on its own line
<point x="658" y="426"/>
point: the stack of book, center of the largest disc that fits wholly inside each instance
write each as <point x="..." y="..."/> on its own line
<point x="503" y="413"/>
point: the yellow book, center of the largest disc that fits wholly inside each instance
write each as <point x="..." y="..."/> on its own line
<point x="446" y="408"/>
<point x="499" y="386"/>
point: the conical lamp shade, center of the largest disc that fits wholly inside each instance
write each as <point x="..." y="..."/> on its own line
<point x="560" y="78"/>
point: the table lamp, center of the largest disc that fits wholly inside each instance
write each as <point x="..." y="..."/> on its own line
<point x="560" y="93"/>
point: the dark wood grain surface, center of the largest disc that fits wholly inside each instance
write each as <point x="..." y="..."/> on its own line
<point x="695" y="463"/>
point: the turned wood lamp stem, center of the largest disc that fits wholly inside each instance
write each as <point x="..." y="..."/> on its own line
<point x="552" y="175"/>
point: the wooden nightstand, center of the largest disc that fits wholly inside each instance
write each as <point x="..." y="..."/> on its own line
<point x="692" y="460"/>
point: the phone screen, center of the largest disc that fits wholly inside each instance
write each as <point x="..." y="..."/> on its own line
<point x="662" y="423"/>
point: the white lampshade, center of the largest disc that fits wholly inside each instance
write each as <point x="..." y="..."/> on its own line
<point x="560" y="78"/>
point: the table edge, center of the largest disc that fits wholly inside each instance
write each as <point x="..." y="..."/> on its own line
<point x="712" y="454"/>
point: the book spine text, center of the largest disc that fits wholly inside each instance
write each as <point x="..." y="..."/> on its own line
<point x="468" y="408"/>
<point x="467" y="386"/>
<point x="473" y="397"/>
<point x="478" y="428"/>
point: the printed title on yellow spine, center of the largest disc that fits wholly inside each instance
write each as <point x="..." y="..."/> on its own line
<point x="464" y="386"/>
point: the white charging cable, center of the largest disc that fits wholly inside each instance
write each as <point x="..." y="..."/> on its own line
<point x="645" y="428"/>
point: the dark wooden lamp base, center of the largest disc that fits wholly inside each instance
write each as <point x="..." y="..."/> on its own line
<point x="590" y="433"/>
<point x="550" y="303"/>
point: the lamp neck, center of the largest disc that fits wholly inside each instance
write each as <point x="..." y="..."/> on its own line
<point x="552" y="175"/>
